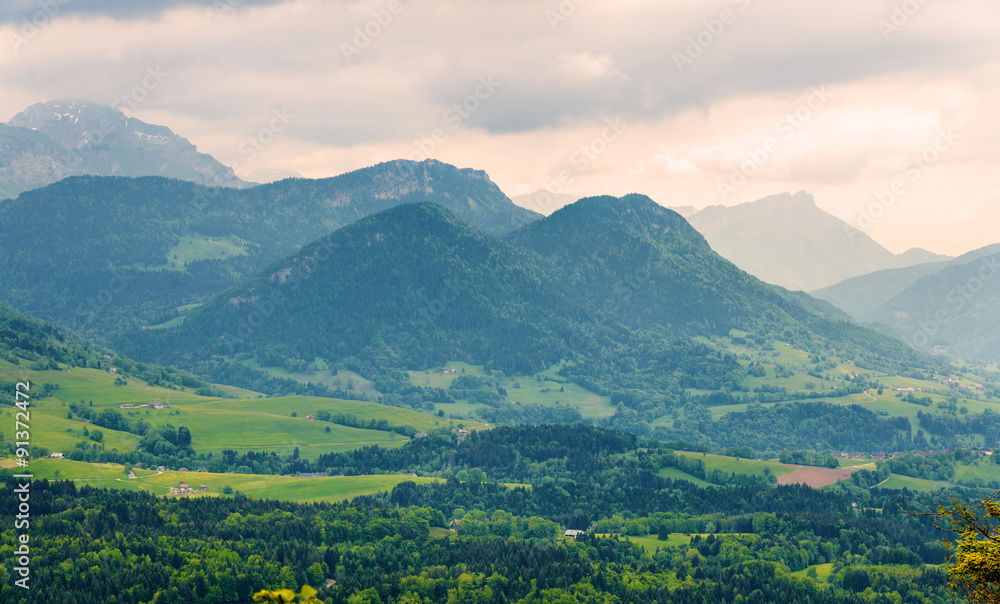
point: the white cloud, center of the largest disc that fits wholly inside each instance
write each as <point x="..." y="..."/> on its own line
<point x="608" y="59"/>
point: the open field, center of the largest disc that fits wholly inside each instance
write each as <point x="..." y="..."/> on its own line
<point x="346" y="380"/>
<point x="823" y="572"/>
<point x="199" y="247"/>
<point x="896" y="481"/>
<point x="985" y="472"/>
<point x="285" y="488"/>
<point x="794" y="365"/>
<point x="739" y="466"/>
<point x="50" y="429"/>
<point x="816" y="477"/>
<point x="268" y="425"/>
<point x="99" y="386"/>
<point x="677" y="474"/>
<point x="541" y="389"/>
<point x="248" y="423"/>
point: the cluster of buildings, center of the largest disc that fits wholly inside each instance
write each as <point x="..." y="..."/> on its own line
<point x="153" y="405"/>
<point x="185" y="488"/>
<point x="950" y="382"/>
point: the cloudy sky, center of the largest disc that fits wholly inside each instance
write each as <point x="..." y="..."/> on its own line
<point x="884" y="110"/>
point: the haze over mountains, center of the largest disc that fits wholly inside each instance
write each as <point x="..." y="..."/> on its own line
<point x="788" y="240"/>
<point x="176" y="243"/>
<point x="951" y="304"/>
<point x="70" y="137"/>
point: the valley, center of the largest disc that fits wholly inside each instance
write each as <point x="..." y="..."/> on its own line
<point x="599" y="380"/>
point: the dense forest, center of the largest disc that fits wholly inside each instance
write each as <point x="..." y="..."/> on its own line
<point x="101" y="546"/>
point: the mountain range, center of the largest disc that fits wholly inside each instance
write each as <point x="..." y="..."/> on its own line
<point x="620" y="291"/>
<point x="953" y="305"/>
<point x="70" y="137"/>
<point x="789" y="241"/>
<point x="125" y="252"/>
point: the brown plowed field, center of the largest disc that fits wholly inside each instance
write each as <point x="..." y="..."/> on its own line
<point x="816" y="477"/>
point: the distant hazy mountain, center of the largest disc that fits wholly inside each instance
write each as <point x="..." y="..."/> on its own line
<point x="70" y="137"/>
<point x="861" y="296"/>
<point x="787" y="240"/>
<point x="111" y="252"/>
<point x="957" y="307"/>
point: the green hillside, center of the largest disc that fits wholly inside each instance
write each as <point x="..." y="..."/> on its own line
<point x="116" y="234"/>
<point x="282" y="488"/>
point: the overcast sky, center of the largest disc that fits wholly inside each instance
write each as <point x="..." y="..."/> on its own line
<point x="691" y="102"/>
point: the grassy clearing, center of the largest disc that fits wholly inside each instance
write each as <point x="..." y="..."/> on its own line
<point x="257" y="426"/>
<point x="199" y="247"/>
<point x="985" y="472"/>
<point x="268" y="425"/>
<point x="677" y="474"/>
<point x="914" y="484"/>
<point x="321" y="373"/>
<point x="216" y="424"/>
<point x="545" y="388"/>
<point x="52" y="430"/>
<point x="739" y="466"/>
<point x="284" y="488"/>
<point x="823" y="572"/>
<point x="99" y="386"/>
<point x="175" y="322"/>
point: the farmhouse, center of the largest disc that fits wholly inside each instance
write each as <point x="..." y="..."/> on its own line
<point x="161" y="468"/>
<point x="56" y="456"/>
<point x="573" y="533"/>
<point x="311" y="417"/>
<point x="183" y="470"/>
<point x="419" y="435"/>
<point x="127" y="406"/>
<point x="204" y="487"/>
<point x="184" y="488"/>
<point x="157" y="405"/>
